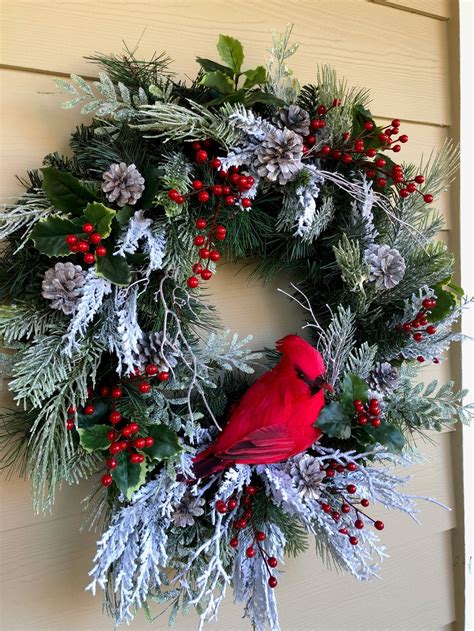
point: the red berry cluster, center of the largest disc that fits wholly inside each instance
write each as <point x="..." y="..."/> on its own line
<point x="356" y="151"/>
<point x="204" y="243"/>
<point x="368" y="412"/>
<point x="83" y="246"/>
<point x="334" y="467"/>
<point x="242" y="522"/>
<point x="420" y="325"/>
<point x="340" y="509"/>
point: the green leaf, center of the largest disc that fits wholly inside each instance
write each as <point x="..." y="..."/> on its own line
<point x="94" y="438"/>
<point x="65" y="192"/>
<point x="231" y="52"/>
<point x="353" y="387"/>
<point x="101" y="217"/>
<point x="390" y="436"/>
<point x="448" y="295"/>
<point x="255" y="76"/>
<point x="49" y="234"/>
<point x="259" y="96"/>
<point x="101" y="412"/>
<point x="218" y="81"/>
<point x="128" y="476"/>
<point x="124" y="215"/>
<point x="151" y="188"/>
<point x="166" y="442"/>
<point x="212" y="66"/>
<point x="114" y="268"/>
<point x="334" y="421"/>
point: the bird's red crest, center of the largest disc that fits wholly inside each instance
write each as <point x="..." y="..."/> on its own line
<point x="302" y="355"/>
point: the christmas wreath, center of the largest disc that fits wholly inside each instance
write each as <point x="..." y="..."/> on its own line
<point x="208" y="476"/>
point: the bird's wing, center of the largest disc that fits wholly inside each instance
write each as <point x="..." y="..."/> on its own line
<point x="269" y="443"/>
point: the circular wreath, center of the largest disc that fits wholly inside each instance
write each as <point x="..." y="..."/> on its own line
<point x="208" y="479"/>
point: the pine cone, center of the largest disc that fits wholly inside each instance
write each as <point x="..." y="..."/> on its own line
<point x="123" y="184"/>
<point x="150" y="351"/>
<point x="387" y="266"/>
<point x="307" y="476"/>
<point x="189" y="508"/>
<point x="279" y="156"/>
<point x="62" y="285"/>
<point x="384" y="377"/>
<point x="295" y="118"/>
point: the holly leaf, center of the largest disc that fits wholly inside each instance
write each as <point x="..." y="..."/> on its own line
<point x="448" y="295"/>
<point x="151" y="189"/>
<point x="218" y="81"/>
<point x="212" y="66"/>
<point x="255" y="76"/>
<point x="259" y="96"/>
<point x="114" y="268"/>
<point x="166" y="442"/>
<point x="390" y="436"/>
<point x="334" y="421"/>
<point x="49" y="234"/>
<point x="353" y="387"/>
<point x="101" y="217"/>
<point x="231" y="52"/>
<point x="65" y="192"/>
<point x="94" y="438"/>
<point x="101" y="411"/>
<point x="124" y="215"/>
<point x="128" y="476"/>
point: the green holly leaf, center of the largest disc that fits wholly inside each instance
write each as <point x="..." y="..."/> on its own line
<point x="390" y="436"/>
<point x="255" y="76"/>
<point x="94" y="438"/>
<point x="65" y="192"/>
<point x="128" y="476"/>
<point x="166" y="442"/>
<point x="124" y="215"/>
<point x="101" y="412"/>
<point x="334" y="420"/>
<point x="231" y="52"/>
<point x="101" y="217"/>
<point x="353" y="387"/>
<point x="448" y="296"/>
<point x="218" y="81"/>
<point x="114" y="268"/>
<point x="259" y="96"/>
<point x="212" y="66"/>
<point x="49" y="234"/>
<point x="152" y="185"/>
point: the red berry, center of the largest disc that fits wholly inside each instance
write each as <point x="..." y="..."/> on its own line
<point x="69" y="424"/>
<point x="101" y="251"/>
<point x="223" y="174"/>
<point x="89" y="258"/>
<point x="346" y="158"/>
<point x="115" y="417"/>
<point x="203" y="196"/>
<point x="380" y="162"/>
<point x="89" y="409"/>
<point x="368" y="125"/>
<point x="206" y="274"/>
<point x="407" y="327"/>
<point x="353" y="541"/>
<point x="116" y="393"/>
<point x="123" y="444"/>
<point x="359" y="146"/>
<point x="196" y="145"/>
<point x="220" y="233"/>
<point x="330" y="473"/>
<point x="218" y="190"/>
<point x="197" y="268"/>
<point x="357" y="403"/>
<point x="379" y="525"/>
<point x="197" y="185"/>
<point x="71" y="239"/>
<point x="88" y="228"/>
<point x="428" y="198"/>
<point x="343" y="531"/>
<point x="326" y="508"/>
<point x="173" y="194"/>
<point x="246" y="203"/>
<point x="352" y="466"/>
<point x="345" y="508"/>
<point x="240" y="524"/>
<point x="351" y="488"/>
<point x="114" y="448"/>
<point x="136" y="458"/>
<point x="163" y="375"/>
<point x="435" y="360"/>
<point x="404" y="192"/>
<point x="111" y="463"/>
<point x="151" y="370"/>
<point x="336" y="153"/>
<point x="106" y="479"/>
<point x="199" y="240"/>
<point x="396" y="148"/>
<point x="396" y="122"/>
<point x="149" y="441"/>
<point x="232" y="503"/>
<point x="418" y="336"/>
<point x="383" y="138"/>
<point x="272" y="561"/>
<point x="359" y="524"/>
<point x="310" y="139"/>
<point x="126" y="432"/>
<point x="144" y="387"/>
<point x="411" y="187"/>
<point x="229" y="200"/>
<point x="376" y="422"/>
<point x="371" y="174"/>
<point x="325" y="150"/>
<point x="201" y="156"/>
<point x="250" y="552"/>
<point x="105" y="391"/>
<point x="82" y="247"/>
<point x="427" y="303"/>
<point x="420" y="359"/>
<point x="214" y="256"/>
<point x="139" y="443"/>
<point x="250" y="490"/>
<point x="362" y="419"/>
<point x="226" y="190"/>
<point x="95" y="238"/>
<point x="340" y="468"/>
<point x="272" y="582"/>
<point x="431" y="330"/>
<point x="416" y="323"/>
<point x="204" y="253"/>
<point x="403" y="138"/>
<point x="381" y="181"/>
<point x="192" y="282"/>
<point x="234" y="542"/>
<point x="314" y="124"/>
<point x="321" y="110"/>
<point x="215" y="163"/>
<point x="419" y="179"/>
<point x="260" y="536"/>
<point x="111" y="435"/>
<point x="134" y="427"/>
<point x="365" y="503"/>
<point x="336" y="515"/>
<point x="221" y="507"/>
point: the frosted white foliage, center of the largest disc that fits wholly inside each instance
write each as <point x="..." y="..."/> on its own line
<point x="250" y="124"/>
<point x="88" y="305"/>
<point x="24" y="214"/>
<point x="131" y="554"/>
<point x="126" y="332"/>
<point x="229" y="354"/>
<point x="139" y="229"/>
<point x="306" y="214"/>
<point x="363" y="209"/>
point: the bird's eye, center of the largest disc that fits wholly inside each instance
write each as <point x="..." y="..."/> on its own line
<point x="300" y="374"/>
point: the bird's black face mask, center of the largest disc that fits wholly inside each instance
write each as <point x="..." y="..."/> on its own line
<point x="316" y="385"/>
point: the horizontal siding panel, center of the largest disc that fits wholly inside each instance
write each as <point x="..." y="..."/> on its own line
<point x="434" y="8"/>
<point x="402" y="60"/>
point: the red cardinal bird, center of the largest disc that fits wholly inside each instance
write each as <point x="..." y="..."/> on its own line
<point x="275" y="418"/>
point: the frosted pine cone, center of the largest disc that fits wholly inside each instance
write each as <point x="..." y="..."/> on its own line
<point x="63" y="285"/>
<point x="387" y="266"/>
<point x="295" y="118"/>
<point x="189" y="508"/>
<point x="279" y="156"/>
<point x="307" y="476"/>
<point x="384" y="377"/>
<point x="123" y="184"/>
<point x="151" y="350"/>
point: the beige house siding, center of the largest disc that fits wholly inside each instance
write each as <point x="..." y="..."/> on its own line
<point x="400" y="49"/>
